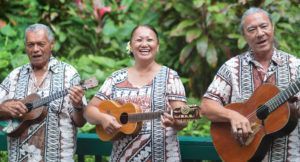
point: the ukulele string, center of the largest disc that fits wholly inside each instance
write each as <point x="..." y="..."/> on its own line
<point x="285" y="94"/>
<point x="269" y="104"/>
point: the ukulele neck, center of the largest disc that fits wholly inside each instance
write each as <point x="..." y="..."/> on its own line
<point x="45" y="100"/>
<point x="138" y="117"/>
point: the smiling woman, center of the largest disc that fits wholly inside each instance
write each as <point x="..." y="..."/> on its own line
<point x="150" y="86"/>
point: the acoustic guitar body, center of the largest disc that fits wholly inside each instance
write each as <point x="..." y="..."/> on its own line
<point x="120" y="112"/>
<point x="278" y="123"/>
<point x="34" y="116"/>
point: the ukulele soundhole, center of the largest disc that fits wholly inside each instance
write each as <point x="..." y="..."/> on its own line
<point x="124" y="118"/>
<point x="29" y="106"/>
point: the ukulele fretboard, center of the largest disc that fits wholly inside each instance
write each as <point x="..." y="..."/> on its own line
<point x="137" y="117"/>
<point x="283" y="96"/>
<point x="48" y="99"/>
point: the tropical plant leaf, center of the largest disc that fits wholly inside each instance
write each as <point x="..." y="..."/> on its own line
<point x="8" y="31"/>
<point x="192" y="34"/>
<point x="185" y="52"/>
<point x="202" y="45"/>
<point x="211" y="55"/>
<point x="178" y="30"/>
<point x="241" y="42"/>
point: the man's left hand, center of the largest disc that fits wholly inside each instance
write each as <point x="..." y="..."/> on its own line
<point x="168" y="121"/>
<point x="76" y="94"/>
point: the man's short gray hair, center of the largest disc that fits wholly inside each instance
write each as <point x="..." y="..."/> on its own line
<point x="252" y="10"/>
<point x="37" y="27"/>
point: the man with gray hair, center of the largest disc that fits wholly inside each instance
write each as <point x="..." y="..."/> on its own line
<point x="53" y="138"/>
<point x="236" y="81"/>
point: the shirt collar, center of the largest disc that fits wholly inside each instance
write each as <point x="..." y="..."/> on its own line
<point x="276" y="57"/>
<point x="52" y="66"/>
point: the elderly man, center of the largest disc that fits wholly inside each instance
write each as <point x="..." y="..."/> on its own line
<point x="237" y="79"/>
<point x="54" y="137"/>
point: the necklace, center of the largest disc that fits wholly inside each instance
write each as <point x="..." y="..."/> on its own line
<point x="37" y="85"/>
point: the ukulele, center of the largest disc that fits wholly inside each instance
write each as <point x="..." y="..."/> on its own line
<point x="130" y="116"/>
<point x="37" y="110"/>
<point x="270" y="117"/>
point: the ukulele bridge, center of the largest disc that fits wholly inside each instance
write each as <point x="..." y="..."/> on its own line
<point x="255" y="128"/>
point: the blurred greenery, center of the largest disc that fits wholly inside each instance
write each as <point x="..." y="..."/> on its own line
<point x="196" y="36"/>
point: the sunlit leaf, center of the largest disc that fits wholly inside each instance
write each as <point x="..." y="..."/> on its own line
<point x="101" y="75"/>
<point x="184" y="80"/>
<point x="284" y="45"/>
<point x="202" y="45"/>
<point x="211" y="55"/>
<point x="213" y="8"/>
<point x="8" y="31"/>
<point x="53" y="15"/>
<point x="19" y="59"/>
<point x="57" y="46"/>
<point x="75" y="50"/>
<point x="286" y="26"/>
<point x="185" y="52"/>
<point x="198" y="3"/>
<point x="62" y="37"/>
<point x="109" y="28"/>
<point x="192" y="34"/>
<point x="125" y="62"/>
<point x="178" y="30"/>
<point x="4" y="55"/>
<point x="275" y="17"/>
<point x="3" y="63"/>
<point x="103" y="61"/>
<point x="233" y="36"/>
<point x="241" y="42"/>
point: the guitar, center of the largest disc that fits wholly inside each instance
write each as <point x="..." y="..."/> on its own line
<point x="37" y="110"/>
<point x="131" y="116"/>
<point x="270" y="117"/>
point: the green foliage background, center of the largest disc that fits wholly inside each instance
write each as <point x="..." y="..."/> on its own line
<point x="196" y="36"/>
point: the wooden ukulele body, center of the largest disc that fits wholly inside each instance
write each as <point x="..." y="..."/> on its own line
<point x="120" y="112"/>
<point x="278" y="123"/>
<point x="34" y="116"/>
<point x="37" y="109"/>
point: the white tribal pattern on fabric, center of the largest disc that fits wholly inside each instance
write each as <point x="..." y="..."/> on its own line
<point x="54" y="138"/>
<point x="153" y="143"/>
<point x="234" y="82"/>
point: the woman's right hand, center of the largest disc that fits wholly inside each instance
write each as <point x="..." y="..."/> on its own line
<point x="110" y="124"/>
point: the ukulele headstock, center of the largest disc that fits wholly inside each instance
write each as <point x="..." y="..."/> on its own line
<point x="186" y="112"/>
<point x="89" y="83"/>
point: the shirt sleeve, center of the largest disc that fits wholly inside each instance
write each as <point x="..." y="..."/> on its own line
<point x="105" y="92"/>
<point x="4" y="89"/>
<point x="295" y="72"/>
<point x="74" y="81"/>
<point x="175" y="88"/>
<point x="8" y="85"/>
<point x="220" y="88"/>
